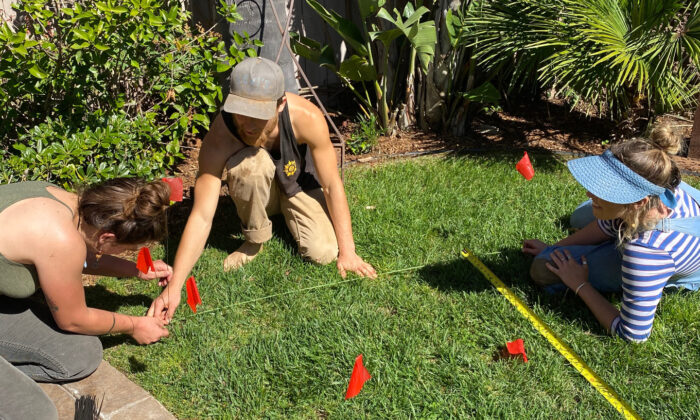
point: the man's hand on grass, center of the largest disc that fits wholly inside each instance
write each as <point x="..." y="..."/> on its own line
<point x="355" y="264"/>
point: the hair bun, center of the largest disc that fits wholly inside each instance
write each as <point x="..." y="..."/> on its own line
<point x="663" y="137"/>
<point x="148" y="200"/>
<point x="130" y="205"/>
<point x="131" y="208"/>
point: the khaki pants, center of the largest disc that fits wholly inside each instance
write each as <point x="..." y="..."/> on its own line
<point x="250" y="174"/>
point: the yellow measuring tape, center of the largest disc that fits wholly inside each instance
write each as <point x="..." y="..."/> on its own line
<point x="547" y="332"/>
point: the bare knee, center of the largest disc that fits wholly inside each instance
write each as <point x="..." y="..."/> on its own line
<point x="541" y="275"/>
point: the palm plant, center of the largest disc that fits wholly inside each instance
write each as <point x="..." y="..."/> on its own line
<point x="614" y="54"/>
<point x="453" y="91"/>
<point x="369" y="63"/>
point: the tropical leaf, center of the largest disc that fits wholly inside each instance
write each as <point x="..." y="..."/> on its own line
<point x="485" y="94"/>
<point x="345" y="28"/>
<point x="357" y="69"/>
<point x="312" y="50"/>
<point x="421" y="35"/>
<point x="369" y="7"/>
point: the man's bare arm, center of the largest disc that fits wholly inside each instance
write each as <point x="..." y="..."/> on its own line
<point x="218" y="145"/>
<point x="313" y="131"/>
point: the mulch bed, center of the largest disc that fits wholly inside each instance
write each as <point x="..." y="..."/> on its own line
<point x="540" y="125"/>
<point x="537" y="126"/>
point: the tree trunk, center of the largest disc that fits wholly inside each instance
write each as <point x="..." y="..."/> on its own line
<point x="432" y="97"/>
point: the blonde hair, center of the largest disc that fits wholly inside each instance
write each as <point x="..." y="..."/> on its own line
<point x="649" y="158"/>
<point x="130" y="208"/>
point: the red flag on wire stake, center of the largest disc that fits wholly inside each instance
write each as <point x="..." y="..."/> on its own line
<point x="525" y="167"/>
<point x="144" y="261"/>
<point x="357" y="379"/>
<point x="175" y="185"/>
<point x="517" y="348"/>
<point x="193" y="298"/>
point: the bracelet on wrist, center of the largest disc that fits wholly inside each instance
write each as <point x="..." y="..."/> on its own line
<point x="579" y="287"/>
<point x="114" y="321"/>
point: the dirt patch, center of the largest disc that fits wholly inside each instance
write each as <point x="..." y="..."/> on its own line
<point x="538" y="125"/>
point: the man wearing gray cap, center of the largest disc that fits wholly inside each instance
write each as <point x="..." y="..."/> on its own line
<point x="277" y="156"/>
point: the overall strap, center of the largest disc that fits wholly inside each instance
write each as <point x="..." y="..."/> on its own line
<point x="687" y="225"/>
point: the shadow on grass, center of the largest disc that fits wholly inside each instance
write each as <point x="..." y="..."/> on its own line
<point x="511" y="266"/>
<point x="454" y="276"/>
<point x="542" y="160"/>
<point x="226" y="227"/>
<point x="109" y="341"/>
<point x="100" y="297"/>
<point x="136" y="366"/>
<point x="563" y="303"/>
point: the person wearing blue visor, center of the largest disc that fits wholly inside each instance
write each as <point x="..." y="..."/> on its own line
<point x="637" y="234"/>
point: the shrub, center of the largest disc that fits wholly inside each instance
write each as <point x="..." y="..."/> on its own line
<point x="134" y="64"/>
<point x="364" y="137"/>
<point x="117" y="146"/>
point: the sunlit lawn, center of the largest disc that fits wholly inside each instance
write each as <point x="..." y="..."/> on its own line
<point x="429" y="337"/>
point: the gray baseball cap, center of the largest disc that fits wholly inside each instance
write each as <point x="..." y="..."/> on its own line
<point x="256" y="85"/>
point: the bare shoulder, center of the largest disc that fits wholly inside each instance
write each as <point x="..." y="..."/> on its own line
<point x="39" y="228"/>
<point x="218" y="145"/>
<point x="308" y="122"/>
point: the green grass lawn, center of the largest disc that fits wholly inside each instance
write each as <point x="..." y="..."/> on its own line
<point x="429" y="336"/>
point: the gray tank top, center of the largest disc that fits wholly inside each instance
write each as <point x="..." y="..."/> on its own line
<point x="20" y="280"/>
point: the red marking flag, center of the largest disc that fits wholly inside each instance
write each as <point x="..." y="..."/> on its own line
<point x="516" y="348"/>
<point x="525" y="167"/>
<point x="193" y="298"/>
<point x="175" y="185"/>
<point x="144" y="261"/>
<point x="357" y="379"/>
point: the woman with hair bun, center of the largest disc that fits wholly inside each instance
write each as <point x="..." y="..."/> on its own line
<point x="49" y="238"/>
<point x="638" y="233"/>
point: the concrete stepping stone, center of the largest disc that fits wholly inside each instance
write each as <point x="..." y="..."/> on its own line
<point x="123" y="399"/>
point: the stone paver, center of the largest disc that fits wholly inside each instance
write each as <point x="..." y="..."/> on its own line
<point x="62" y="399"/>
<point x="123" y="399"/>
<point x="148" y="409"/>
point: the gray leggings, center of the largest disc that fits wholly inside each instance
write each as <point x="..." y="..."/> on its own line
<point x="33" y="348"/>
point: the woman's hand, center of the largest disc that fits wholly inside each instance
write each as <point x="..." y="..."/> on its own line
<point x="533" y="247"/>
<point x="148" y="330"/>
<point x="355" y="264"/>
<point x="569" y="271"/>
<point x="163" y="272"/>
<point x="164" y="306"/>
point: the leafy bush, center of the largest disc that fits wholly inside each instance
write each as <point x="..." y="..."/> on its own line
<point x="364" y="138"/>
<point x="116" y="147"/>
<point x="134" y="64"/>
<point x="614" y="54"/>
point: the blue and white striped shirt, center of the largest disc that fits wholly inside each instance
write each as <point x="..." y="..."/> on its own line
<point x="648" y="262"/>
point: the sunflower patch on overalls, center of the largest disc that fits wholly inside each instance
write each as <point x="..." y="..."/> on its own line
<point x="294" y="166"/>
